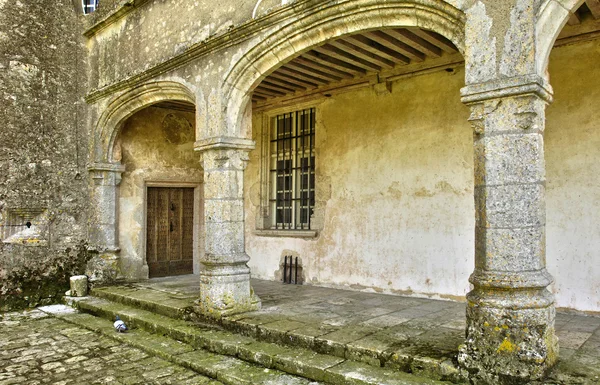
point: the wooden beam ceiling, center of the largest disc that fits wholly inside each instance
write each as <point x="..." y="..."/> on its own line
<point x="350" y="58"/>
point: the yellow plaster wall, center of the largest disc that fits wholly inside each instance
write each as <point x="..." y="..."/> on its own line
<point x="396" y="172"/>
<point x="157" y="146"/>
<point x="573" y="181"/>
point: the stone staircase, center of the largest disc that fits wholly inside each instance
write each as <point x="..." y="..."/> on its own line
<point x="235" y="352"/>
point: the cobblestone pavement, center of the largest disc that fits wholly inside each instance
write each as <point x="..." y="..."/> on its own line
<point x="37" y="349"/>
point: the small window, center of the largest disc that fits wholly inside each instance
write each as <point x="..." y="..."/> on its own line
<point x="89" y="6"/>
<point x="292" y="170"/>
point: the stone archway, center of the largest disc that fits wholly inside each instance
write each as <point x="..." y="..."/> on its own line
<point x="105" y="171"/>
<point x="125" y="105"/>
<point x="325" y="24"/>
<point x="553" y="17"/>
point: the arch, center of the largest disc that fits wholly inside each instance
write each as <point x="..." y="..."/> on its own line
<point x="127" y="104"/>
<point x="324" y="24"/>
<point x="553" y="16"/>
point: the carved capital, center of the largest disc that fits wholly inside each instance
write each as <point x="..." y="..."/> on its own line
<point x="106" y="174"/>
<point x="234" y="159"/>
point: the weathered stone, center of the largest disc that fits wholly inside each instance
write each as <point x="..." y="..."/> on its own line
<point x="79" y="286"/>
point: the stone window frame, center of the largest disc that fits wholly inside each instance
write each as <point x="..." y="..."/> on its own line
<point x="263" y="218"/>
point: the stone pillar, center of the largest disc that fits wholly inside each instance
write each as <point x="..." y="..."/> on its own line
<point x="510" y="315"/>
<point x="225" y="276"/>
<point x="103" y="221"/>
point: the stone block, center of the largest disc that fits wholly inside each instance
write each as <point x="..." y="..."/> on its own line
<point x="79" y="286"/>
<point x="224" y="238"/>
<point x="224" y="210"/>
<point x="504" y="159"/>
<point x="517" y="249"/>
<point x="510" y="206"/>
<point x="223" y="184"/>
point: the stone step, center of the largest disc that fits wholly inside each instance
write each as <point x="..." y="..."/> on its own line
<point x="156" y="301"/>
<point x="293" y="361"/>
<point x="421" y="357"/>
<point x="218" y="369"/>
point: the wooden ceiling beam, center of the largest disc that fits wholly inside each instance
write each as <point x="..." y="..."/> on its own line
<point x="313" y="72"/>
<point x="275" y="87"/>
<point x="258" y="97"/>
<point x="285" y="84"/>
<point x="594" y="6"/>
<point x="347" y="57"/>
<point x="258" y="93"/>
<point x="574" y="19"/>
<point x="293" y="80"/>
<point x="335" y="63"/>
<point x="363" y="54"/>
<point x="415" y="41"/>
<point x="262" y="90"/>
<point x="322" y="68"/>
<point x="388" y="41"/>
<point x="300" y="75"/>
<point x="435" y="39"/>
<point x="377" y="49"/>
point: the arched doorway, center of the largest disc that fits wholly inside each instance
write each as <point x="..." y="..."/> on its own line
<point x="145" y="138"/>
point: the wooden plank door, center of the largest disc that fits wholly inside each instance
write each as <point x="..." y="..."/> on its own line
<point x="169" y="238"/>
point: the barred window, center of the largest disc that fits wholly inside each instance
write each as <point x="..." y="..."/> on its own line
<point x="292" y="170"/>
<point x="89" y="6"/>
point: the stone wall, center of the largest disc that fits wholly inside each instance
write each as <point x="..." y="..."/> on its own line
<point x="43" y="151"/>
<point x="572" y="157"/>
<point x="394" y="191"/>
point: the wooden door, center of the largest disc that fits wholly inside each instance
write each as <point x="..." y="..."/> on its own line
<point x="169" y="238"/>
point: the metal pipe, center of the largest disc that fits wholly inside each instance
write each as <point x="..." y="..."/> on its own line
<point x="296" y="279"/>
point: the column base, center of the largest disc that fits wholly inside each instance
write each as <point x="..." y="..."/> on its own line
<point x="103" y="268"/>
<point x="226" y="290"/>
<point x="509" y="344"/>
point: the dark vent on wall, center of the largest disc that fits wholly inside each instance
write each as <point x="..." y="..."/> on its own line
<point x="291" y="268"/>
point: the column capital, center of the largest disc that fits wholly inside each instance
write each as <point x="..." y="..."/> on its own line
<point x="104" y="167"/>
<point x="224" y="143"/>
<point x="108" y="174"/>
<point x="509" y="87"/>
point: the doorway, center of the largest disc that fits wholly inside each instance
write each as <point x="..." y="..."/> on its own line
<point x="169" y="238"/>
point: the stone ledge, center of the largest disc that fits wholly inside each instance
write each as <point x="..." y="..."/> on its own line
<point x="287" y="233"/>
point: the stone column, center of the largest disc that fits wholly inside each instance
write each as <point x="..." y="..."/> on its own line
<point x="225" y="276"/>
<point x="103" y="221"/>
<point x="510" y="315"/>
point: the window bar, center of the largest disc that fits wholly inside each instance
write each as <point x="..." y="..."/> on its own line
<point x="296" y="180"/>
<point x="309" y="164"/>
<point x="296" y="271"/>
<point x="277" y="199"/>
<point x="287" y="171"/>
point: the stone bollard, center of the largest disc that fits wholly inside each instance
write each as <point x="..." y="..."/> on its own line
<point x="79" y="286"/>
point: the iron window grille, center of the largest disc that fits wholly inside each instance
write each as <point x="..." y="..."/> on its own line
<point x="292" y="169"/>
<point x="89" y="6"/>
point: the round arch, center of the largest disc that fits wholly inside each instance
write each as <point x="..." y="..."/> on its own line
<point x="327" y="23"/>
<point x="127" y="104"/>
<point x="552" y="18"/>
